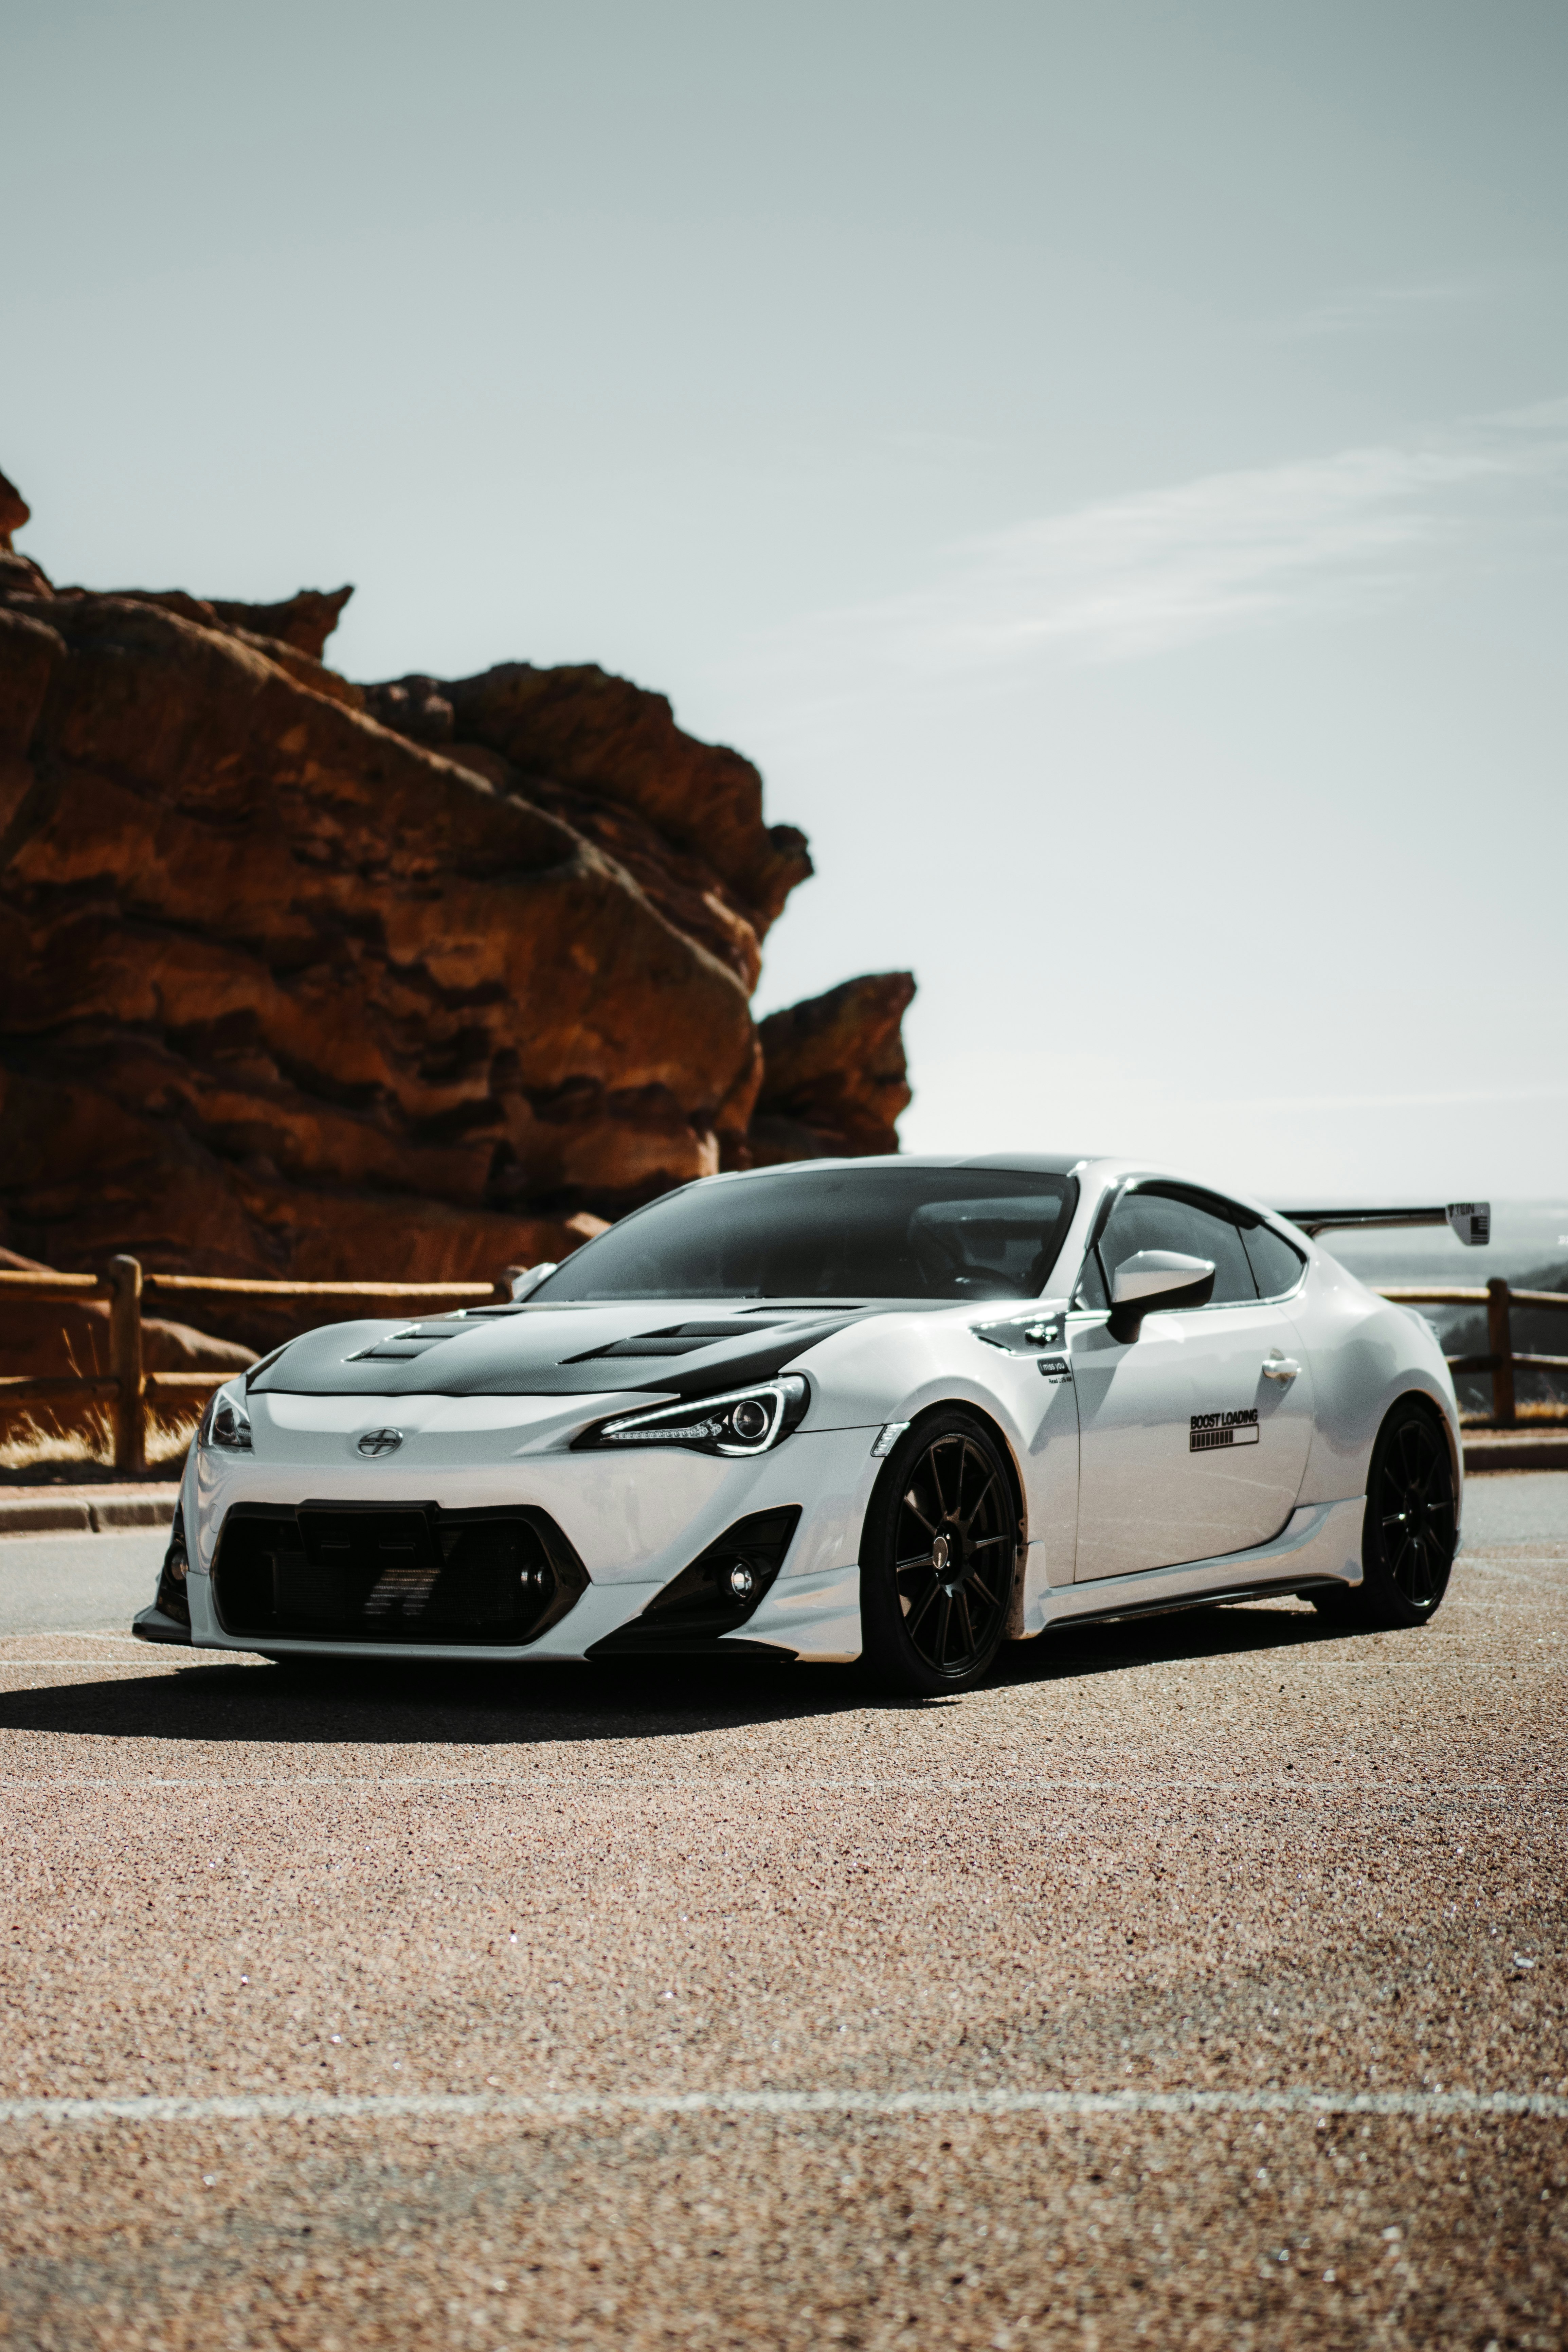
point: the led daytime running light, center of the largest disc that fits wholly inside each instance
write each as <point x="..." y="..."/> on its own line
<point x="740" y="1422"/>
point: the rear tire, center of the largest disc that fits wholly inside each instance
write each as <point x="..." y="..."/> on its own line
<point x="939" y="1558"/>
<point x="1410" y="1531"/>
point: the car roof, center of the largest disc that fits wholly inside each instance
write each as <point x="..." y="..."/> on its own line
<point x="1109" y="1169"/>
<point x="1021" y="1163"/>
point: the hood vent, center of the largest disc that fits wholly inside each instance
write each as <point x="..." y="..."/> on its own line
<point x="675" y="1339"/>
<point x="399" y="1346"/>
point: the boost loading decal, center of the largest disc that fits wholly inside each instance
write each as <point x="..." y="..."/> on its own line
<point x="1207" y="1430"/>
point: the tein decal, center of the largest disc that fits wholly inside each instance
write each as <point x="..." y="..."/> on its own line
<point x="1211" y="1429"/>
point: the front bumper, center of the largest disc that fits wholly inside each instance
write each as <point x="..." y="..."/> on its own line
<point x="150" y="1624"/>
<point x="634" y="1523"/>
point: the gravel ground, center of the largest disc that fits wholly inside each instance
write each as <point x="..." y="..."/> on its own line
<point x="1159" y="1993"/>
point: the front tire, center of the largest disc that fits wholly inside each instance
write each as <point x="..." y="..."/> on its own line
<point x="1410" y="1533"/>
<point x="939" y="1558"/>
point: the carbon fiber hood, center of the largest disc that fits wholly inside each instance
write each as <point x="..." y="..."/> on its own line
<point x="588" y="1350"/>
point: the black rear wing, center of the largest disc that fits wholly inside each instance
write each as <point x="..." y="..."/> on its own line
<point x="1470" y="1221"/>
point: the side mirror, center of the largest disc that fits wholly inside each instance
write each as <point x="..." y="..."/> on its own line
<point x="525" y="1284"/>
<point x="1155" y="1280"/>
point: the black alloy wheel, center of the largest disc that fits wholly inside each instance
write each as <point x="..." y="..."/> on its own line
<point x="939" y="1558"/>
<point x="1410" y="1532"/>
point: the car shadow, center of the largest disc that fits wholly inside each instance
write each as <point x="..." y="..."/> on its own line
<point x="355" y="1702"/>
<point x="1226" y="1630"/>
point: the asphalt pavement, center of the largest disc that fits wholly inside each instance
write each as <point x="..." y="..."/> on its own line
<point x="78" y="1582"/>
<point x="1199" y="1982"/>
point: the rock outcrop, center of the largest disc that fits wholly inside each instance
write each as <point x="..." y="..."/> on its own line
<point x="834" y="1078"/>
<point x="302" y="978"/>
<point x="682" y="819"/>
<point x="15" y="512"/>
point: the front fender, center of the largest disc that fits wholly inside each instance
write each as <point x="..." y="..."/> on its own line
<point x="900" y="1368"/>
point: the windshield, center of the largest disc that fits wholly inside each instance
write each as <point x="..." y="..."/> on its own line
<point x="840" y="1232"/>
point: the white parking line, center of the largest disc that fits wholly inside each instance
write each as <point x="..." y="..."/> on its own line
<point x="569" y="2108"/>
<point x="69" y="1634"/>
<point x="100" y="1665"/>
<point x="80" y="1633"/>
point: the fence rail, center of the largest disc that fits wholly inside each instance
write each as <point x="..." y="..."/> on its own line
<point x="131" y="1388"/>
<point x="1503" y="1359"/>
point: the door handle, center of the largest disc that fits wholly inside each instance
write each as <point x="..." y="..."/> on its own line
<point x="1280" y="1367"/>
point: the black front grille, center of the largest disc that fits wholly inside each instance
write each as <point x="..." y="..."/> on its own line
<point x="399" y="1573"/>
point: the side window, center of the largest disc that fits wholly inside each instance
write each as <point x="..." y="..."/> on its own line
<point x="1276" y="1265"/>
<point x="1155" y="1218"/>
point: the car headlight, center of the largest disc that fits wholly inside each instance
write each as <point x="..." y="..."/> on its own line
<point x="225" y="1424"/>
<point x="740" y="1422"/>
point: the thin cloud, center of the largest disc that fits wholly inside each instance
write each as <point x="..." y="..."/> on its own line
<point x="1363" y="309"/>
<point x="1130" y="577"/>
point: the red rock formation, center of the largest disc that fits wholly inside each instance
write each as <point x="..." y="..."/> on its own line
<point x="15" y="512"/>
<point x="16" y="572"/>
<point x="834" y="1078"/>
<point x="683" y="819"/>
<point x="418" y="980"/>
<point x="303" y="622"/>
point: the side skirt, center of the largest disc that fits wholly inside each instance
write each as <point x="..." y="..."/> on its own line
<point x="1318" y="1546"/>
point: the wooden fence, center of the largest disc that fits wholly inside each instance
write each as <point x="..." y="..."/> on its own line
<point x="1501" y="1359"/>
<point x="130" y="1388"/>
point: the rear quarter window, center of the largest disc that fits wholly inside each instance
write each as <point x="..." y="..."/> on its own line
<point x="1161" y="1217"/>
<point x="1276" y="1265"/>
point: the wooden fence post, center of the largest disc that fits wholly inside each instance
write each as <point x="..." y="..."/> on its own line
<point x="125" y="1363"/>
<point x="1499" y="1343"/>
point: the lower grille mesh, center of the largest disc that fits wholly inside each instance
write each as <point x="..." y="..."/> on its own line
<point x="405" y="1573"/>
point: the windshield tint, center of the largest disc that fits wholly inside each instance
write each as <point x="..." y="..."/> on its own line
<point x="841" y="1232"/>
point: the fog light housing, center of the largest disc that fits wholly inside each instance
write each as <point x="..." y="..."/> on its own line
<point x="722" y="1588"/>
<point x="172" y="1598"/>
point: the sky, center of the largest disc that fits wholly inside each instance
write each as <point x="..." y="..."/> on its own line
<point x="1107" y="466"/>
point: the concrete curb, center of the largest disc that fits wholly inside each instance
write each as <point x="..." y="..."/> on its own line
<point x="86" y="1510"/>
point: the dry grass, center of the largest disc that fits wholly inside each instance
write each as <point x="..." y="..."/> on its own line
<point x="30" y="1444"/>
<point x="1550" y="1410"/>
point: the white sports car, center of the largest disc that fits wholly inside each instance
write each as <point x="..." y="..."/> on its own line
<point x="898" y="1408"/>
